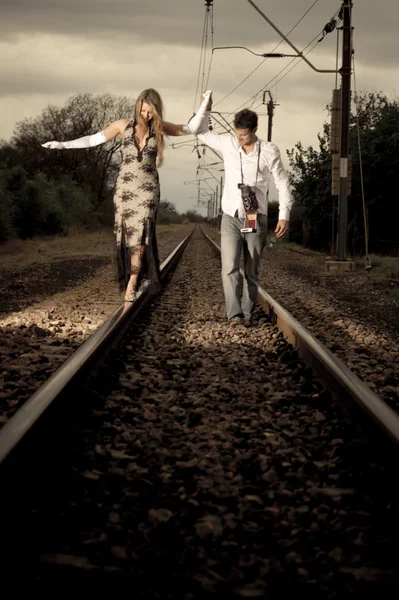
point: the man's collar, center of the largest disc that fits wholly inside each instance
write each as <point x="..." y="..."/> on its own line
<point x="256" y="146"/>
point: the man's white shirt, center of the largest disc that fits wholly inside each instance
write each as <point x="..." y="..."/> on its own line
<point x="270" y="164"/>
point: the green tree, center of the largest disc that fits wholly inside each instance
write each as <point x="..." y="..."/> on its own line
<point x="378" y="120"/>
<point x="379" y="142"/>
<point x="167" y="213"/>
<point x="192" y="216"/>
<point x="311" y="182"/>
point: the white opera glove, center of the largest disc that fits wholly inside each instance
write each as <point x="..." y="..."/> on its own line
<point x="200" y="119"/>
<point x="89" y="141"/>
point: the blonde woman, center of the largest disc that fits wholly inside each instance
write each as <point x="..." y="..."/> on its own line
<point x="137" y="191"/>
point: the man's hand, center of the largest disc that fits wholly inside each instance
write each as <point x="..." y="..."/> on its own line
<point x="204" y="95"/>
<point x="282" y="228"/>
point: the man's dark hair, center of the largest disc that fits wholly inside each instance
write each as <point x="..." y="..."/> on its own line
<point x="246" y="119"/>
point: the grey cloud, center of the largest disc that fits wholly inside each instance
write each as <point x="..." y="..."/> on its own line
<point x="39" y="82"/>
<point x="181" y="21"/>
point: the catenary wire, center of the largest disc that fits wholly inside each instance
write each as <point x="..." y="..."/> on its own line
<point x="200" y="62"/>
<point x="260" y="64"/>
<point x="253" y="98"/>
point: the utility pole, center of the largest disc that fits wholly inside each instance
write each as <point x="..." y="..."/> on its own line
<point x="341" y="160"/>
<point x="341" y="264"/>
<point x="270" y="113"/>
<point x="346" y="73"/>
<point x="270" y="110"/>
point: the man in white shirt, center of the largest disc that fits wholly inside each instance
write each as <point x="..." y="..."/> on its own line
<point x="251" y="161"/>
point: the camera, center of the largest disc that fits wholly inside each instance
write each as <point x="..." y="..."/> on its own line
<point x="250" y="203"/>
<point x="248" y="197"/>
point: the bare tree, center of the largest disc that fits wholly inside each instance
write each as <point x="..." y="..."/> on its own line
<point x="83" y="114"/>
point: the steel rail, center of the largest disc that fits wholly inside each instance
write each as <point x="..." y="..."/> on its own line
<point x="79" y="363"/>
<point x="345" y="385"/>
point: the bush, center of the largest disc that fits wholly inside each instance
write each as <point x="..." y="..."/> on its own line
<point x="6" y="221"/>
<point x="33" y="210"/>
<point x="191" y="216"/>
<point x="75" y="203"/>
<point x="167" y="213"/>
<point x="31" y="206"/>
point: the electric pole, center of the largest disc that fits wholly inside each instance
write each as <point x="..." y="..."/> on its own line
<point x="270" y="110"/>
<point x="346" y="73"/>
<point x="270" y="113"/>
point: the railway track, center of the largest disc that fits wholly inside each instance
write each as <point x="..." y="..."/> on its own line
<point x="200" y="458"/>
<point x="41" y="329"/>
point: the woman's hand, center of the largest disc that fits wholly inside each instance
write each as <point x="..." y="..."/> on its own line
<point x="197" y="122"/>
<point x="53" y="145"/>
<point x="205" y="95"/>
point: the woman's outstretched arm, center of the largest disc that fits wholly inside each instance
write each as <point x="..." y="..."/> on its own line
<point x="89" y="141"/>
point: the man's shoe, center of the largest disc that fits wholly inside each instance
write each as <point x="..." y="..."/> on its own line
<point x="247" y="322"/>
<point x="234" y="321"/>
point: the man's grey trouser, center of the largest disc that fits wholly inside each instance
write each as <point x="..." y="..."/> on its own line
<point x="252" y="244"/>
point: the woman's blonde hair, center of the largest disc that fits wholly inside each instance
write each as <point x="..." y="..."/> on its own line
<point x="152" y="97"/>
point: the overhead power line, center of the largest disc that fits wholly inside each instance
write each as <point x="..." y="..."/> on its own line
<point x="207" y="32"/>
<point x="285" y="38"/>
<point x="294" y="60"/>
<point x="278" y="45"/>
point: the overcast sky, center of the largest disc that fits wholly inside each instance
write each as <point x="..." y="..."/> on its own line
<point x="53" y="49"/>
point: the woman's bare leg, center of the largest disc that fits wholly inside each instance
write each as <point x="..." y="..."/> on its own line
<point x="136" y="256"/>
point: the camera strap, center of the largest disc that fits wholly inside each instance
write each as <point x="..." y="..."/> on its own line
<point x="257" y="167"/>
